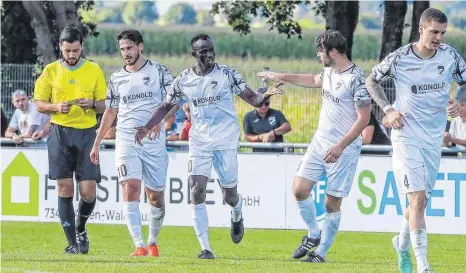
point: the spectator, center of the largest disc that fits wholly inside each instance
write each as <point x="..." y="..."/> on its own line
<point x="457" y="132"/>
<point x="184" y="132"/>
<point x="4" y="123"/>
<point x="171" y="131"/>
<point x="26" y="122"/>
<point x="374" y="133"/>
<point x="180" y="115"/>
<point x="265" y="124"/>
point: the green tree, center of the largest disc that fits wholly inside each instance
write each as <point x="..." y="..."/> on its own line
<point x="181" y="13"/>
<point x="339" y="15"/>
<point x="205" y="18"/>
<point x="138" y="12"/>
<point x="30" y="29"/>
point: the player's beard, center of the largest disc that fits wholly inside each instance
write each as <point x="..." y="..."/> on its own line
<point x="135" y="59"/>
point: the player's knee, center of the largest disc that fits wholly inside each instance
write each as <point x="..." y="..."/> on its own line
<point x="131" y="191"/>
<point x="231" y="199"/>
<point x="301" y="188"/>
<point x="332" y="204"/>
<point x="66" y="190"/>
<point x="418" y="202"/>
<point x="156" y="199"/>
<point x="198" y="194"/>
<point x="300" y="194"/>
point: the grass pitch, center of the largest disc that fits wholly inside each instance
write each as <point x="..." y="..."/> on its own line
<point x="37" y="247"/>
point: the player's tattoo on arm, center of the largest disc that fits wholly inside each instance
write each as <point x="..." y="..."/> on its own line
<point x="377" y="92"/>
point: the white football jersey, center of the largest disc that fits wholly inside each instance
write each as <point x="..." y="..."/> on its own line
<point x="136" y="95"/>
<point x="340" y="92"/>
<point x="213" y="114"/>
<point x="422" y="91"/>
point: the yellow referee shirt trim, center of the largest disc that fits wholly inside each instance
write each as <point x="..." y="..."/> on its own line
<point x="60" y="82"/>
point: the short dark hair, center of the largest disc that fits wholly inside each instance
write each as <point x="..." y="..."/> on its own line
<point x="71" y="34"/>
<point x="461" y="94"/>
<point x="199" y="37"/>
<point x="331" y="39"/>
<point x="435" y="15"/>
<point x="132" y="35"/>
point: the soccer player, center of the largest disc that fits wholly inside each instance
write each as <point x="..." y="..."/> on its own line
<point x="423" y="72"/>
<point x="134" y="91"/>
<point x="214" y="136"/>
<point x="72" y="90"/>
<point x="336" y="145"/>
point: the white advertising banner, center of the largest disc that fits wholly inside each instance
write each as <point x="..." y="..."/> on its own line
<point x="265" y="183"/>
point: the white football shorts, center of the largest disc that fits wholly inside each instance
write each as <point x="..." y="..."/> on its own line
<point x="225" y="164"/>
<point x="148" y="164"/>
<point x="415" y="169"/>
<point x="340" y="175"/>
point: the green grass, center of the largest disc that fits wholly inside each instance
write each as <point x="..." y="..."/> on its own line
<point x="37" y="247"/>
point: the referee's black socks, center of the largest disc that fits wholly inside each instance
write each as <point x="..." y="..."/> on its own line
<point x="84" y="211"/>
<point x="66" y="211"/>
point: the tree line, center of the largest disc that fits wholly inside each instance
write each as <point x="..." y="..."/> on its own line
<point x="30" y="29"/>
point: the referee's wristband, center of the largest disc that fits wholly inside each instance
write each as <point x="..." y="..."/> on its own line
<point x="94" y="105"/>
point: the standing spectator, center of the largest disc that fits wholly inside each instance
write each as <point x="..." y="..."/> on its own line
<point x="265" y="124"/>
<point x="26" y="122"/>
<point x="184" y="132"/>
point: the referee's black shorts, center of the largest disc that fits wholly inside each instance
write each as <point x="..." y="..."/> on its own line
<point x="69" y="151"/>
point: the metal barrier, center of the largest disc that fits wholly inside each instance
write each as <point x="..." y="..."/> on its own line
<point x="107" y="143"/>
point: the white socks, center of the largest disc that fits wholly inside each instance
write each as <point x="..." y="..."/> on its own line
<point x="236" y="210"/>
<point x="133" y="221"/>
<point x="201" y="225"/>
<point x="329" y="232"/>
<point x="403" y="238"/>
<point x="307" y="209"/>
<point x="155" y="224"/>
<point x="419" y="244"/>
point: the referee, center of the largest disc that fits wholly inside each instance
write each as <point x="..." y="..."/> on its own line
<point x="72" y="89"/>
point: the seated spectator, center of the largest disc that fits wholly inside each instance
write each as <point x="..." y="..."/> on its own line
<point x="374" y="133"/>
<point x="457" y="132"/>
<point x="184" y="132"/>
<point x="111" y="133"/>
<point x="171" y="131"/>
<point x="265" y="124"/>
<point x="26" y="122"/>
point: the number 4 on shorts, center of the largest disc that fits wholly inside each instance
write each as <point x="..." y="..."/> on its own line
<point x="406" y="182"/>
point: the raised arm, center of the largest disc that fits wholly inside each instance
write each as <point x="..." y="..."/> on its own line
<point x="255" y="99"/>
<point x="303" y="80"/>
